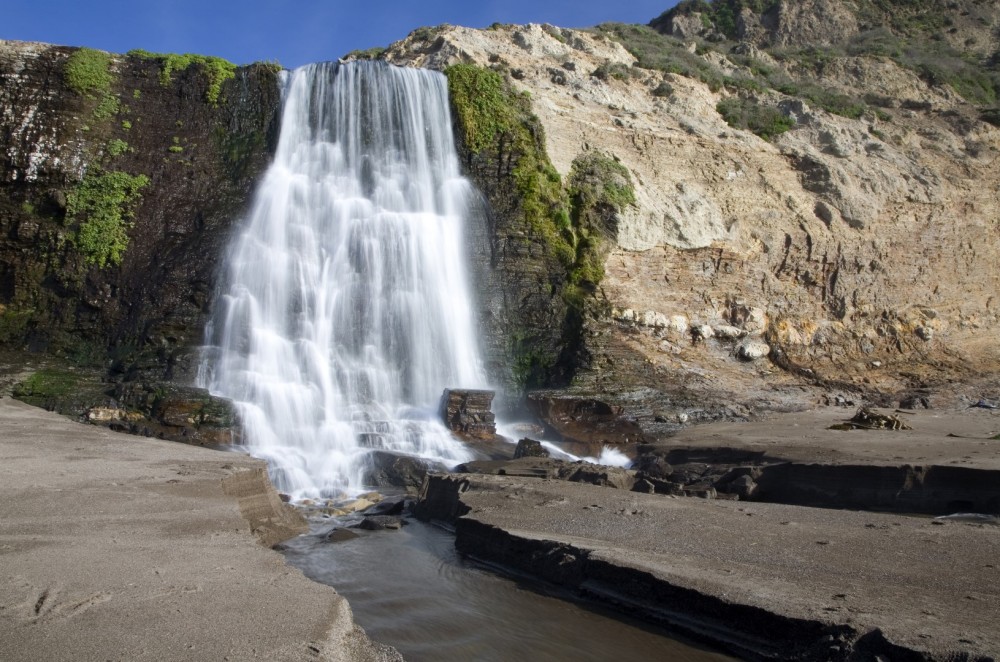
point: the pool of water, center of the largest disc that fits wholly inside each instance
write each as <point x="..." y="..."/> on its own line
<point x="410" y="589"/>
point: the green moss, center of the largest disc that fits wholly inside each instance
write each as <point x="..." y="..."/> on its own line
<point x="117" y="147"/>
<point x="175" y="149"/>
<point x="126" y="125"/>
<point x="102" y="204"/>
<point x="14" y="323"/>
<point x="88" y="72"/>
<point x="45" y="385"/>
<point x="216" y="69"/>
<point x="107" y="107"/>
<point x="136" y="94"/>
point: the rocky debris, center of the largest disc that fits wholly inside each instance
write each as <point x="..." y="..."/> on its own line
<point x="387" y="469"/>
<point x="468" y="413"/>
<point x="584" y="419"/>
<point x="530" y="448"/>
<point x="391" y="506"/>
<point x="740" y="481"/>
<point x="652" y="466"/>
<point x="868" y="419"/>
<point x="596" y="474"/>
<point x="609" y="544"/>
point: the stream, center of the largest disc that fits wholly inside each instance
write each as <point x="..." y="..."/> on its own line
<point x="410" y="589"/>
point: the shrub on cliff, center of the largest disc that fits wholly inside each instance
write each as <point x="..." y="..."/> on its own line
<point x="763" y="120"/>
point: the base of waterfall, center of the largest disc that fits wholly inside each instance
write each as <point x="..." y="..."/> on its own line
<point x="118" y="547"/>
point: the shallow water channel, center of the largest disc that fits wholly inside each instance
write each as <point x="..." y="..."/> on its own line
<point x="410" y="589"/>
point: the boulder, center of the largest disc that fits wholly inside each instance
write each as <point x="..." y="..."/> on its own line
<point x="530" y="448"/>
<point x="597" y="474"/>
<point x="751" y="350"/>
<point x="468" y="413"/>
<point x="387" y="469"/>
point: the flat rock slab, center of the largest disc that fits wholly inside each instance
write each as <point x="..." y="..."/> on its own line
<point x="123" y="548"/>
<point x="764" y="580"/>
<point x="805" y="437"/>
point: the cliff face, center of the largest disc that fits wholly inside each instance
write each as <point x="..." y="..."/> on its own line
<point x="121" y="179"/>
<point x="854" y="247"/>
<point x="677" y="229"/>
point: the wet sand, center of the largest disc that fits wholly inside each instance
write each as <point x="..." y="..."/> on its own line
<point x="116" y="547"/>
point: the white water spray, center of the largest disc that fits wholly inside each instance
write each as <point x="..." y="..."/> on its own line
<point x="345" y="310"/>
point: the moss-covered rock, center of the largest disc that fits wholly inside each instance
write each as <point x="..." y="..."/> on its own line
<point x="109" y="240"/>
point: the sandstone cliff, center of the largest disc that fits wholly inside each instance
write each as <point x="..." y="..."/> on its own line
<point x="856" y="249"/>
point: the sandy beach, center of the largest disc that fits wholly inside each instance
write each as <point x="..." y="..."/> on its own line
<point x="116" y="547"/>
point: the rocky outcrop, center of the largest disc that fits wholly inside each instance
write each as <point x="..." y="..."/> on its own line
<point x="762" y="581"/>
<point x="859" y="240"/>
<point x="468" y="413"/>
<point x="192" y="143"/>
<point x="120" y="188"/>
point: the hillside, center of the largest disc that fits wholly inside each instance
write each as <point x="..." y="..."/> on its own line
<point x="832" y="208"/>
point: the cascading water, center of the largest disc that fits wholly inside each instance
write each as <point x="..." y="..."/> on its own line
<point x="345" y="310"/>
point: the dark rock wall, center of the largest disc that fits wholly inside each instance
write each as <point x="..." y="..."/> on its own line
<point x="201" y="160"/>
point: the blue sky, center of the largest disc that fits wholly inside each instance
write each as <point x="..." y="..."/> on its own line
<point x="293" y="32"/>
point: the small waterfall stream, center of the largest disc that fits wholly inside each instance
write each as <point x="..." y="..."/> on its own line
<point x="345" y="310"/>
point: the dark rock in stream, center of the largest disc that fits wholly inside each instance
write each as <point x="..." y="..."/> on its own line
<point x="380" y="523"/>
<point x="530" y="448"/>
<point x="386" y="469"/>
<point x="339" y="535"/>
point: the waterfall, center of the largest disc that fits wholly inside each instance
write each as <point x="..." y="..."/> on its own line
<point x="344" y="310"/>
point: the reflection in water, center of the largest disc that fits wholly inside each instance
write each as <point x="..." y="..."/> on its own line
<point x="409" y="589"/>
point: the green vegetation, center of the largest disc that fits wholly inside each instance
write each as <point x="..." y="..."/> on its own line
<point x="14" y="323"/>
<point x="107" y="107"/>
<point x="766" y="121"/>
<point x="175" y="149"/>
<point x="103" y="203"/>
<point x="216" y="69"/>
<point x="599" y="188"/>
<point x="720" y="13"/>
<point x="117" y="147"/>
<point x="615" y="70"/>
<point x="490" y="111"/>
<point x="126" y="125"/>
<point x="88" y="72"/>
<point x="45" y="385"/>
<point x="368" y="54"/>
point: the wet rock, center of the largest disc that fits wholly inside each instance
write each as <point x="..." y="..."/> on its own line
<point x="380" y="523"/>
<point x="355" y="505"/>
<point x="338" y="535"/>
<point x="468" y="413"/>
<point x="530" y="448"/>
<point x="584" y="419"/>
<point x="387" y="469"/>
<point x="391" y="506"/>
<point x="653" y="466"/>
